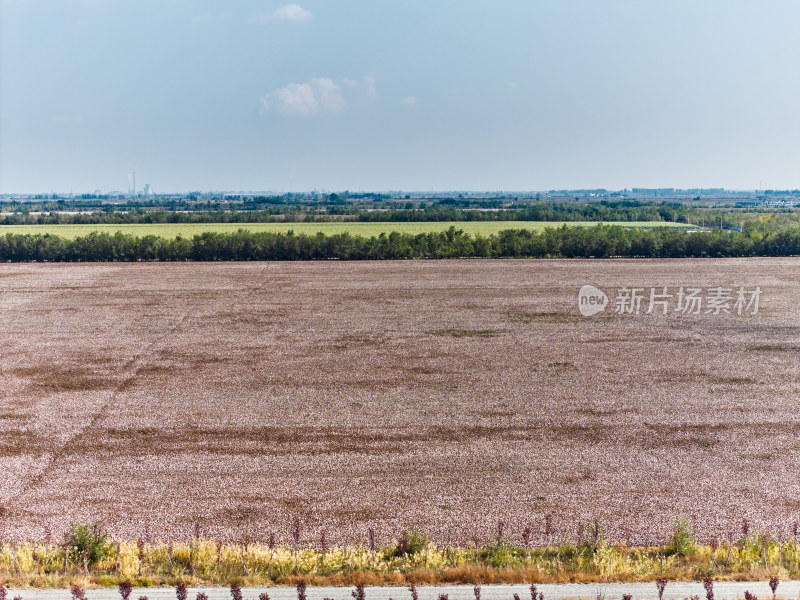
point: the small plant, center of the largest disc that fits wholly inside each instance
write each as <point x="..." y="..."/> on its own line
<point x="263" y="596"/>
<point x="590" y="536"/>
<point x="201" y="596"/>
<point x="125" y="588"/>
<point x="78" y="593"/>
<point x="516" y="597"/>
<point x="661" y="584"/>
<point x="142" y="597"/>
<point x="749" y="596"/>
<point x="296" y="532"/>
<point x="773" y="585"/>
<point x="708" y="583"/>
<point x="533" y="592"/>
<point x="413" y="590"/>
<point x="181" y="591"/>
<point x="236" y="591"/>
<point x="411" y="542"/>
<point x="2" y="593"/>
<point x="627" y="597"/>
<point x="476" y="591"/>
<point x="548" y="526"/>
<point x="358" y="593"/>
<point x="444" y="596"/>
<point x="89" y="543"/>
<point x="301" y="590"/>
<point x="402" y="545"/>
<point x="682" y="541"/>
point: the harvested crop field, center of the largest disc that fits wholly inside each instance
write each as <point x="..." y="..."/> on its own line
<point x="446" y="395"/>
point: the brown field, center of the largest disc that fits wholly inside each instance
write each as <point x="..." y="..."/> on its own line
<point x="447" y="395"/>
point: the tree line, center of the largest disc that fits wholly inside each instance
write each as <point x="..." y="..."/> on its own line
<point x="564" y="242"/>
<point x="262" y="211"/>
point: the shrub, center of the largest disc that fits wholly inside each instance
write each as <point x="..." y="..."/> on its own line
<point x="682" y="541"/>
<point x="411" y="542"/>
<point x="358" y="593"/>
<point x="708" y="583"/>
<point x="78" y="593"/>
<point x="773" y="585"/>
<point x="125" y="588"/>
<point x="236" y="591"/>
<point x="591" y="536"/>
<point x="89" y="541"/>
<point x="301" y="590"/>
<point x="661" y="585"/>
<point x="181" y="591"/>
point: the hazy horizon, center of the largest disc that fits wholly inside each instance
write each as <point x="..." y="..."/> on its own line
<point x="413" y="192"/>
<point x="357" y="95"/>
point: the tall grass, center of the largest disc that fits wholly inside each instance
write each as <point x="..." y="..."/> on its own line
<point x="413" y="559"/>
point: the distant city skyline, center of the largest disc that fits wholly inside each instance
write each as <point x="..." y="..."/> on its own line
<point x="448" y="95"/>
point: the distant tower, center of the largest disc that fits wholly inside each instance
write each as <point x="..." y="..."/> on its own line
<point x="134" y="183"/>
<point x="130" y="185"/>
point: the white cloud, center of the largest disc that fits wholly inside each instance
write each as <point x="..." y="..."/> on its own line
<point x="316" y="97"/>
<point x="409" y="100"/>
<point x="287" y="12"/>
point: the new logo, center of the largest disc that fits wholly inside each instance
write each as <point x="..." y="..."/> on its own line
<point x="591" y="300"/>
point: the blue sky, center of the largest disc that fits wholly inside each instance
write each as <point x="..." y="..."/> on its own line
<point x="387" y="95"/>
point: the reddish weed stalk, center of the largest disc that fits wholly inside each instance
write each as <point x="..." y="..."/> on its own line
<point x="661" y="584"/>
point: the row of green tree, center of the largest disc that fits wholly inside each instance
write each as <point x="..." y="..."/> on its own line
<point x="544" y="211"/>
<point x="563" y="242"/>
<point x="282" y="212"/>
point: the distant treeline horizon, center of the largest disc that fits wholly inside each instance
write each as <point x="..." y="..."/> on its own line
<point x="59" y="213"/>
<point x="602" y="241"/>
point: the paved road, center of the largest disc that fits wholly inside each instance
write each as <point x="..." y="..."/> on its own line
<point x="610" y="591"/>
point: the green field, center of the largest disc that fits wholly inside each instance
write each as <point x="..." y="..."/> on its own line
<point x="171" y="230"/>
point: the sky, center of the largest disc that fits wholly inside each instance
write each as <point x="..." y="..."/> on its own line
<point x="416" y="95"/>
